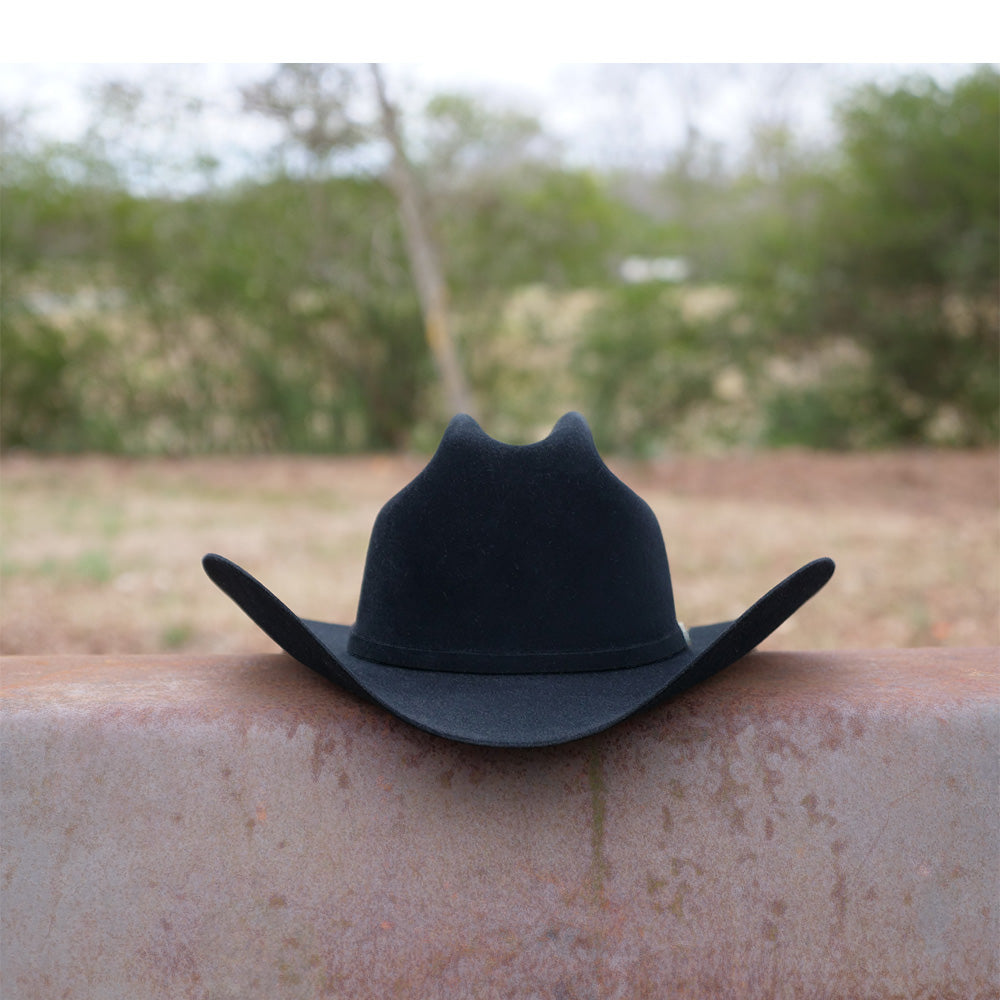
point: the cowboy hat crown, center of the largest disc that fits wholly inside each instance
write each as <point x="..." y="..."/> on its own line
<point x="501" y="558"/>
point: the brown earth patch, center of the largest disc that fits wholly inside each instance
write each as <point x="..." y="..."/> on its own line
<point x="102" y="555"/>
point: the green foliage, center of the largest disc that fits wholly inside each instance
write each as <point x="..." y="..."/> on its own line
<point x="561" y="228"/>
<point x="846" y="410"/>
<point x="896" y="248"/>
<point x="276" y="315"/>
<point x="646" y="366"/>
<point x="462" y="138"/>
<point x="313" y="104"/>
<point x="40" y="398"/>
<point x="858" y="284"/>
<point x="921" y="195"/>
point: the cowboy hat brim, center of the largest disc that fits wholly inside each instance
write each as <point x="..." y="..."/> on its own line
<point x="516" y="710"/>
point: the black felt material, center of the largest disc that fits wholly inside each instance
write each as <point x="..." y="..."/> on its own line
<point x="500" y="558"/>
<point x="516" y="596"/>
<point x="280" y="623"/>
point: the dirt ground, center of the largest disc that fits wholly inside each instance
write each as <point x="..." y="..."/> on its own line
<point x="102" y="555"/>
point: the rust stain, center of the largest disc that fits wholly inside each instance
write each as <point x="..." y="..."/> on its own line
<point x="598" y="804"/>
<point x="839" y="897"/>
<point x="324" y="744"/>
<point x="831" y="725"/>
<point x="667" y="821"/>
<point x="772" y="778"/>
<point x="676" y="905"/>
<point x="654" y="885"/>
<point x="677" y="865"/>
<point x="726" y="796"/>
<point x="810" y="803"/>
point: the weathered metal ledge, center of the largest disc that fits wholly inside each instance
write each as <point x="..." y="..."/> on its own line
<point x="821" y="825"/>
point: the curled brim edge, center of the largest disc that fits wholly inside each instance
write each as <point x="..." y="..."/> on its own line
<point x="516" y="710"/>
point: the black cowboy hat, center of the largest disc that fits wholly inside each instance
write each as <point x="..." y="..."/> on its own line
<point x="516" y="596"/>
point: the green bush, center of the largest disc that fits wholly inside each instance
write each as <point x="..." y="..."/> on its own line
<point x="648" y="368"/>
<point x="254" y="318"/>
<point x="896" y="248"/>
<point x="280" y="314"/>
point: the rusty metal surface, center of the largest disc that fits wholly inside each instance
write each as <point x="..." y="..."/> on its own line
<point x="803" y="825"/>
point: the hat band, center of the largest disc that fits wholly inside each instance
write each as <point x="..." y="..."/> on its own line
<point x="477" y="662"/>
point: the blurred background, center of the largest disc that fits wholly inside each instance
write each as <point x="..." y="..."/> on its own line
<point x="204" y="265"/>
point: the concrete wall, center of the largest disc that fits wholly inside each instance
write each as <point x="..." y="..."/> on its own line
<point x="803" y="825"/>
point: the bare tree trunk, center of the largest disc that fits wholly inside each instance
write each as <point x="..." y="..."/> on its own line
<point x="424" y="261"/>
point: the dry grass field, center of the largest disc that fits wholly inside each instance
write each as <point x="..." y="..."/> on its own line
<point x="102" y="555"/>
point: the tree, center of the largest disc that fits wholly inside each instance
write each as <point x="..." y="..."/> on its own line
<point x="272" y="314"/>
<point x="320" y="109"/>
<point x="894" y="247"/>
<point x="315" y="104"/>
<point x="921" y="192"/>
<point x="425" y="261"/>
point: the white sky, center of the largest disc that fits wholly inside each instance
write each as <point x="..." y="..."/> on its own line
<point x="522" y="33"/>
<point x="595" y="109"/>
